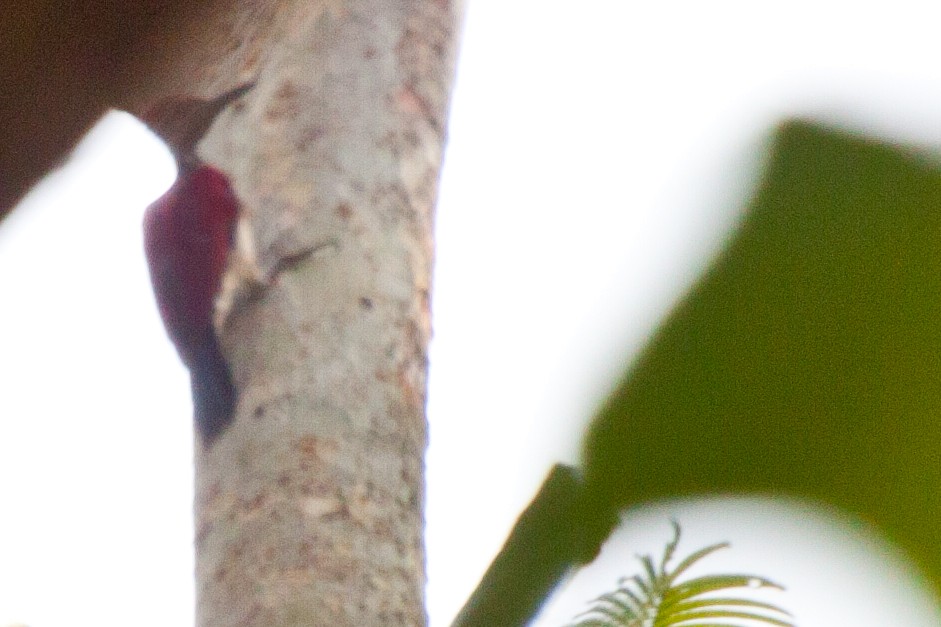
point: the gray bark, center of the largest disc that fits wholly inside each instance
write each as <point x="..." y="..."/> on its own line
<point x="309" y="508"/>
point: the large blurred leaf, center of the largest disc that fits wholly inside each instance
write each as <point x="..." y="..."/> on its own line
<point x="807" y="362"/>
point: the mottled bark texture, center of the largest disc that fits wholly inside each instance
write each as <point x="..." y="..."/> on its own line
<point x="309" y="507"/>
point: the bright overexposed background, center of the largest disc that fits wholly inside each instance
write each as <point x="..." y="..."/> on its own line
<point x="599" y="152"/>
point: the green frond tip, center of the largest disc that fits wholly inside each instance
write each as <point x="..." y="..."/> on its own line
<point x="656" y="599"/>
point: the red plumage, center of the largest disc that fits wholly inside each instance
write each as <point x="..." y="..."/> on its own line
<point x="187" y="236"/>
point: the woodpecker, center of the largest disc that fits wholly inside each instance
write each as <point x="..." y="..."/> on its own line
<point x="188" y="233"/>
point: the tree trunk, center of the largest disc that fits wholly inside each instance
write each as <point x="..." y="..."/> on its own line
<point x="309" y="507"/>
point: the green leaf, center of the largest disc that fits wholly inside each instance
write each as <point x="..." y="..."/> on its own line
<point x="685" y="618"/>
<point x="713" y="583"/>
<point x="695" y="557"/>
<point x="725" y="602"/>
<point x="668" y="605"/>
<point x="807" y="362"/>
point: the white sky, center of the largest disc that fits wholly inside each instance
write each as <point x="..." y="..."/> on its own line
<point x="593" y="166"/>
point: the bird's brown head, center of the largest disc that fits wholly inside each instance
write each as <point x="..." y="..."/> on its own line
<point x="182" y="122"/>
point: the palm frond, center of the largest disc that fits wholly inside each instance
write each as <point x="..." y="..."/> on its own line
<point x="657" y="599"/>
